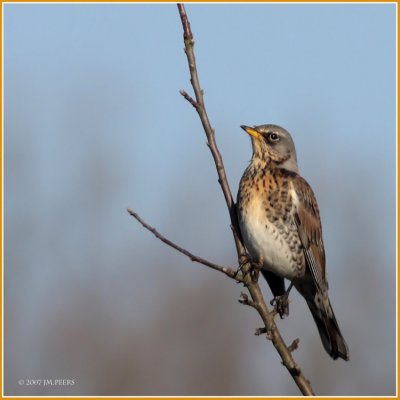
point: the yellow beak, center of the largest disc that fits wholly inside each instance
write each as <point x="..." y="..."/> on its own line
<point x="251" y="131"/>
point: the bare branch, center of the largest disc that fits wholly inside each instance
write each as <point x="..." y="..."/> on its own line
<point x="257" y="301"/>
<point x="209" y="131"/>
<point x="187" y="33"/>
<point x="225" y="270"/>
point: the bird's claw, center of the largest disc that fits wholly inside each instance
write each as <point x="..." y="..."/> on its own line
<point x="244" y="259"/>
<point x="281" y="305"/>
<point x="255" y="269"/>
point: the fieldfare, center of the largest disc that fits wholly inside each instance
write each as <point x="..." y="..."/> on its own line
<point x="281" y="228"/>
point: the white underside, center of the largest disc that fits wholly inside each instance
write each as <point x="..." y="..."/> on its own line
<point x="264" y="241"/>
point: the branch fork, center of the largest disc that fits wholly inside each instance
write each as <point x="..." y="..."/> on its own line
<point x="189" y="98"/>
<point x="249" y="271"/>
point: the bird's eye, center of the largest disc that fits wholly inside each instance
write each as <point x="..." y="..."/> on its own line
<point x="273" y="137"/>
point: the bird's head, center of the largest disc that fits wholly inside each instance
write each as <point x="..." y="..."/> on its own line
<point x="272" y="144"/>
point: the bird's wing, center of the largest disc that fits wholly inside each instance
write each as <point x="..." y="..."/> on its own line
<point x="307" y="220"/>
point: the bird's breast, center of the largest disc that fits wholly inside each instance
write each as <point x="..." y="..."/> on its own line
<point x="265" y="212"/>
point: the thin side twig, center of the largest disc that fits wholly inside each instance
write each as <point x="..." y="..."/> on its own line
<point x="189" y="98"/>
<point x="198" y="104"/>
<point x="257" y="299"/>
<point x="294" y="345"/>
<point x="225" y="270"/>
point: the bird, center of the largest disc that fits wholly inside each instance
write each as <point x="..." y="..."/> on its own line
<point x="280" y="225"/>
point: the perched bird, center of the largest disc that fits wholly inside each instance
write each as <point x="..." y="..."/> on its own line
<point x="281" y="228"/>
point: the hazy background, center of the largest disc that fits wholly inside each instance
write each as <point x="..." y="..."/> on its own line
<point x="94" y="124"/>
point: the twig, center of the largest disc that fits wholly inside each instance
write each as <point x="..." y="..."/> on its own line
<point x="257" y="298"/>
<point x="189" y="98"/>
<point x="294" y="345"/>
<point x="225" y="270"/>
<point x="260" y="331"/>
<point x="244" y="299"/>
<point x="198" y="104"/>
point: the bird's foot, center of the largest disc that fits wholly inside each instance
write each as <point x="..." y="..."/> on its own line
<point x="281" y="305"/>
<point x="255" y="269"/>
<point x="244" y="259"/>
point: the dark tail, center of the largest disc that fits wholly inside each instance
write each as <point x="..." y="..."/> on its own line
<point x="329" y="331"/>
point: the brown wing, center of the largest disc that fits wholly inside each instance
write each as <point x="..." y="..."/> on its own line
<point x="309" y="228"/>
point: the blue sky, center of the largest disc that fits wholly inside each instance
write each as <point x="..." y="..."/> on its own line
<point x="94" y="123"/>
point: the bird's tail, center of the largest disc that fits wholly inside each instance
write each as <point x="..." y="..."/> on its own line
<point x="329" y="331"/>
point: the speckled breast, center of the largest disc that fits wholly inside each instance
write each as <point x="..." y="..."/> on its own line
<point x="265" y="210"/>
